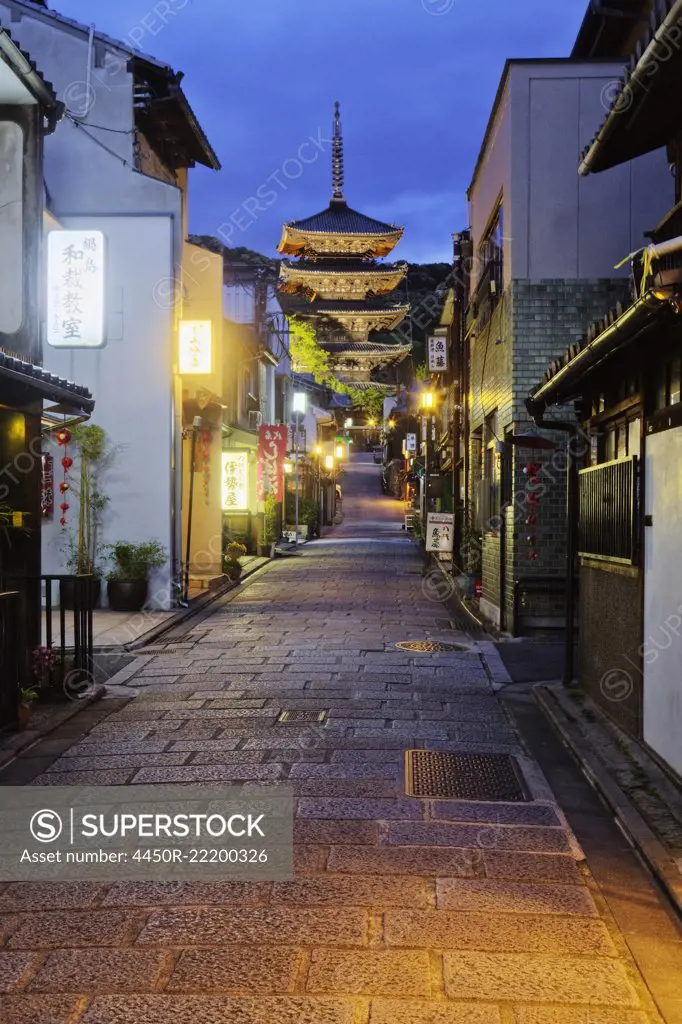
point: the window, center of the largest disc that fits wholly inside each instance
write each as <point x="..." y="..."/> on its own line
<point x="491" y="254"/>
<point x="11" y="227"/>
<point x="667" y="383"/>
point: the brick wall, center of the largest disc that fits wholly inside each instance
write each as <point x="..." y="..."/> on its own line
<point x="533" y="323"/>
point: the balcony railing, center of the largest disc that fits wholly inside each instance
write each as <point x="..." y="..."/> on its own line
<point x="10" y="657"/>
<point x="607" y="527"/>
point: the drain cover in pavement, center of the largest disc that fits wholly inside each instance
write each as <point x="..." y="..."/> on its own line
<point x="293" y="717"/>
<point x="428" y="646"/>
<point x="446" y="776"/>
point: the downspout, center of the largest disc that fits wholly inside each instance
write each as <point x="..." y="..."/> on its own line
<point x="536" y="411"/>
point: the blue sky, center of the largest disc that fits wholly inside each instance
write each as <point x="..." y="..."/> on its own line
<point x="415" y="78"/>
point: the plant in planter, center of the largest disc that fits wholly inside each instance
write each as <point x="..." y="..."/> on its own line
<point x="309" y="514"/>
<point x="232" y="567"/>
<point x="43" y="661"/>
<point x="81" y="548"/>
<point x="27" y="695"/>
<point x="269" y="525"/>
<point x="128" y="580"/>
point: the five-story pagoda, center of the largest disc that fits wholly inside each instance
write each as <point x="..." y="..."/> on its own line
<point x="338" y="283"/>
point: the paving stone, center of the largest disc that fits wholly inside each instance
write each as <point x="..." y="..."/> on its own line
<point x="8" y="923"/>
<point x="73" y="929"/>
<point x="26" y="896"/>
<point x="531" y="867"/>
<point x="227" y="757"/>
<point x="103" y="761"/>
<point x="345" y="772"/>
<point x="369" y="973"/>
<point x="212" y="926"/>
<point x="32" y="1009"/>
<point x="500" y="814"/>
<point x="403" y="860"/>
<point x="513" y="897"/>
<point x="94" y="747"/>
<point x="328" y="832"/>
<point x="13" y="967"/>
<point x="363" y="756"/>
<point x="309" y="860"/>
<point x="259" y="970"/>
<point x="498" y="932"/>
<point x="216" y="1010"/>
<point x="102" y="971"/>
<point x="210" y="773"/>
<point x="237" y="703"/>
<point x="378" y="810"/>
<point x="151" y="894"/>
<point x="520" y="978"/>
<point x="206" y="745"/>
<point x="412" y="1011"/>
<point x="353" y="891"/>
<point x="578" y="1015"/>
<point x="93" y="778"/>
<point x="487" y="837"/>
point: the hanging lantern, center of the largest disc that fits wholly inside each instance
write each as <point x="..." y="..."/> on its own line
<point x="67" y="462"/>
<point x="63" y="437"/>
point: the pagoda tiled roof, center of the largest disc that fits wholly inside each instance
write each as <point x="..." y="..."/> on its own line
<point x="367" y="348"/>
<point x="331" y="307"/>
<point x="341" y="219"/>
<point x="340" y="266"/>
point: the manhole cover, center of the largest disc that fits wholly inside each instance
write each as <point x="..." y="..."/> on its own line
<point x="291" y="717"/>
<point x="428" y="646"/>
<point x="446" y="776"/>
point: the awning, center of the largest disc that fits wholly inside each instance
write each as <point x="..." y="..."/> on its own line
<point x="565" y="377"/>
<point x="31" y="383"/>
<point x="646" y="106"/>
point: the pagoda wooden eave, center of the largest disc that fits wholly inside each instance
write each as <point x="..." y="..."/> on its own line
<point x="338" y="283"/>
<point x="321" y="243"/>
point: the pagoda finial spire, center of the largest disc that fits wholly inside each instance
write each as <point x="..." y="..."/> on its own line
<point x="337" y="157"/>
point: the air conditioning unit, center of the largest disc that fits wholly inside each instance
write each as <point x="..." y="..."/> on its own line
<point x="255" y="420"/>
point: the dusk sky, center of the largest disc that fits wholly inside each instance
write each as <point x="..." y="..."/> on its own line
<point x="415" y="78"/>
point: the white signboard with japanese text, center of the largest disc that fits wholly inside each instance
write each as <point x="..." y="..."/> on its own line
<point x="75" y="289"/>
<point x="437" y="355"/>
<point x="195" y="354"/>
<point x="411" y="442"/>
<point x="235" y="484"/>
<point x="440" y="530"/>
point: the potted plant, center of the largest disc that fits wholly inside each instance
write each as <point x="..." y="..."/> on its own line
<point x="27" y="695"/>
<point x="232" y="567"/>
<point x="309" y="514"/>
<point x="269" y="527"/>
<point x="43" y="662"/>
<point x="81" y="549"/>
<point x="128" y="580"/>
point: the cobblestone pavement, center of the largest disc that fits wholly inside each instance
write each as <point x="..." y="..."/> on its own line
<point x="403" y="911"/>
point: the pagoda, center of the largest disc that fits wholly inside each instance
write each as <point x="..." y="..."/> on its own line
<point x="338" y="282"/>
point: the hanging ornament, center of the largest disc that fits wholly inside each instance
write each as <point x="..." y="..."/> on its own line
<point x="63" y="436"/>
<point x="205" y="442"/>
<point x="532" y="470"/>
<point x="67" y="462"/>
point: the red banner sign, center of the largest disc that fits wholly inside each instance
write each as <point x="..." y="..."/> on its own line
<point x="272" y="451"/>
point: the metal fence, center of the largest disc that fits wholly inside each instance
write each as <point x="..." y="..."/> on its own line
<point x="10" y="657"/>
<point x="70" y="637"/>
<point x="607" y="527"/>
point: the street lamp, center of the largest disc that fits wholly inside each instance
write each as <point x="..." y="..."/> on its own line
<point x="391" y="424"/>
<point x="427" y="400"/>
<point x="299" y="407"/>
<point x="427" y="403"/>
<point x="339" y="451"/>
<point x="329" y="463"/>
<point x="348" y="424"/>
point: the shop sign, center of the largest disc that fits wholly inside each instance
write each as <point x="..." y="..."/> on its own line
<point x="75" y="289"/>
<point x="437" y="355"/>
<point x="272" y="452"/>
<point x="195" y="354"/>
<point x="235" y="481"/>
<point x="440" y="529"/>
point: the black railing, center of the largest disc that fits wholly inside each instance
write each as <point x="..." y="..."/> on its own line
<point x="71" y="642"/>
<point x="607" y="528"/>
<point x="10" y="657"/>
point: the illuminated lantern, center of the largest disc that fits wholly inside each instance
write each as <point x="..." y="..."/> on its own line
<point x="63" y="437"/>
<point x="67" y="462"/>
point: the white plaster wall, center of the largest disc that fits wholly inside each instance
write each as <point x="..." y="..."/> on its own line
<point x="131" y="380"/>
<point x="493" y="179"/>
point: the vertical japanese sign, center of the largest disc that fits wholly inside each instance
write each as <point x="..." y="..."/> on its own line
<point x="437" y="355"/>
<point x="440" y="527"/>
<point x="411" y="443"/>
<point x="47" y="487"/>
<point x="272" y="451"/>
<point x="235" y="481"/>
<point x="75" y="289"/>
<point x="195" y="354"/>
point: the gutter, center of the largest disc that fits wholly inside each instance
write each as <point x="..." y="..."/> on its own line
<point x="662" y="41"/>
<point x="646" y="309"/>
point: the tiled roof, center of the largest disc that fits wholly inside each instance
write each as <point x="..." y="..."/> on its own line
<point x="365" y="348"/>
<point x="332" y="307"/>
<point x="350" y="266"/>
<point x="340" y="219"/>
<point x="35" y="82"/>
<point x="48" y="384"/>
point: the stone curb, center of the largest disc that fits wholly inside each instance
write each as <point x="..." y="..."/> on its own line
<point x="636" y="830"/>
<point x="23" y="740"/>
<point x="198" y="605"/>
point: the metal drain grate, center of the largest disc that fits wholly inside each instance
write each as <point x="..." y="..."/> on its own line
<point x="428" y="646"/>
<point x="294" y="717"/>
<point x="445" y="776"/>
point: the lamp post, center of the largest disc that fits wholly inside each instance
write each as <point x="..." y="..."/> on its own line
<point x="427" y="404"/>
<point x="329" y="466"/>
<point x="196" y="427"/>
<point x="299" y="407"/>
<point x="318" y="453"/>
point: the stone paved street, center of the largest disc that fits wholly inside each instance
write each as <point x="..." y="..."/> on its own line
<point x="403" y="911"/>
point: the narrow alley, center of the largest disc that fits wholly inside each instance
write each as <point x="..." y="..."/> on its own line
<point x="404" y="910"/>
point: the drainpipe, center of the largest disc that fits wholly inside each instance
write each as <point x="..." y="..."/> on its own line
<point x="536" y="411"/>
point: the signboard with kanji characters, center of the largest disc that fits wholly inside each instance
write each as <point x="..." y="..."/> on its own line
<point x="411" y="442"/>
<point x="272" y="453"/>
<point x="235" y="481"/>
<point x="440" y="531"/>
<point x="75" y="289"/>
<point x="195" y="346"/>
<point x="437" y="355"/>
<point x="47" y="487"/>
